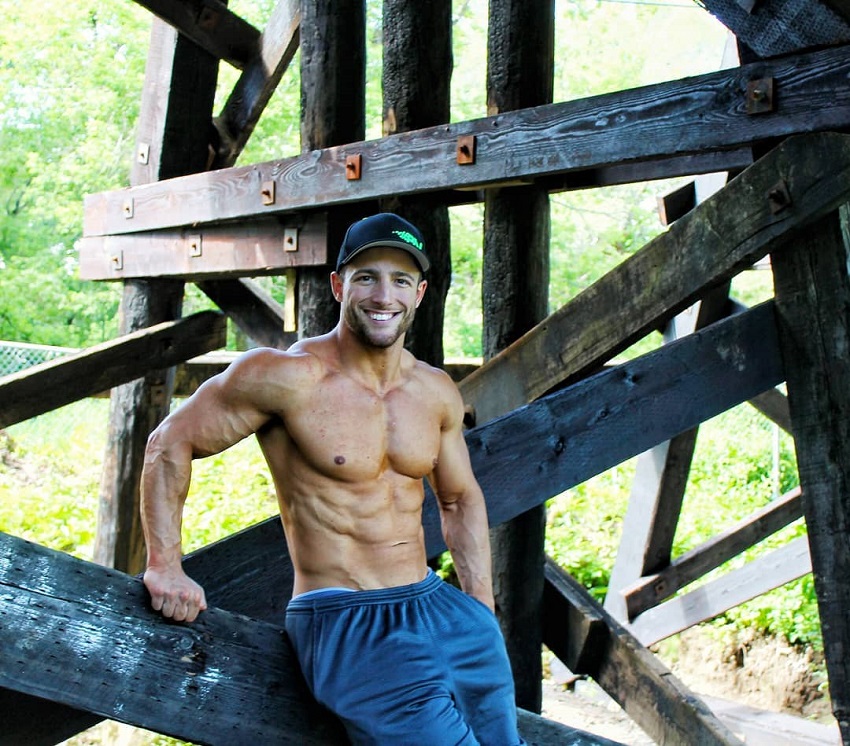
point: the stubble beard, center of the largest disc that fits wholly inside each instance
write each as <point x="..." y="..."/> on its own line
<point x="359" y="324"/>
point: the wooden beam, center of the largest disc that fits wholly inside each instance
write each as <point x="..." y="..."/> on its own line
<point x="650" y="590"/>
<point x="812" y="298"/>
<point x="259" y="315"/>
<point x="723" y="235"/>
<point x="565" y="438"/>
<point x="211" y="26"/>
<point x="666" y="120"/>
<point x="274" y="51"/>
<point x="78" y="635"/>
<point x="261" y="247"/>
<point x="649" y="693"/>
<point x="55" y="383"/>
<point x="753" y="579"/>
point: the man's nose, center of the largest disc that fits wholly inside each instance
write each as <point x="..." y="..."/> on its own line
<point x="382" y="291"/>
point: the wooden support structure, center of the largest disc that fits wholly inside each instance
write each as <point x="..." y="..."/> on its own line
<point x="813" y="298"/>
<point x="659" y="122"/>
<point x="515" y="295"/>
<point x="53" y="384"/>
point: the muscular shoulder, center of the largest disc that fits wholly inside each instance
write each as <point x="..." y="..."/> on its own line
<point x="265" y="373"/>
<point x="437" y="387"/>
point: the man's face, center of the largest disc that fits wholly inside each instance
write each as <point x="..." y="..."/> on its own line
<point x="379" y="290"/>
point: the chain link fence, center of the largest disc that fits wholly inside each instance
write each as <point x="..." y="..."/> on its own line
<point x="17" y="356"/>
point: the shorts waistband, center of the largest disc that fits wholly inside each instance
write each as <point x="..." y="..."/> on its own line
<point x="300" y="604"/>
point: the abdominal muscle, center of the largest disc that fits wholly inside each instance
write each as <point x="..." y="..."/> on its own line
<point x="361" y="542"/>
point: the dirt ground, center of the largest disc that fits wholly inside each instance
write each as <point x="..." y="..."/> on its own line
<point x="765" y="674"/>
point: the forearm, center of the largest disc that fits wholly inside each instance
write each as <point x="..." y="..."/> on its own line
<point x="165" y="484"/>
<point x="466" y="533"/>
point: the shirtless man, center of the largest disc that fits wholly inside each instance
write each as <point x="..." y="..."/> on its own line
<point x="350" y="423"/>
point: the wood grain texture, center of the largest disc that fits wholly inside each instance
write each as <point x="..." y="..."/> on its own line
<point x="691" y="116"/>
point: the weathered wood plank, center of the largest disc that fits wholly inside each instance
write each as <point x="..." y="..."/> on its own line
<point x="259" y="315"/>
<point x="694" y="564"/>
<point x="753" y="579"/>
<point x="812" y="300"/>
<point x="248" y="99"/>
<point x="665" y="120"/>
<point x="55" y="383"/>
<point x="262" y="247"/>
<point x="565" y="438"/>
<point x="654" y="698"/>
<point x="211" y="26"/>
<point x="83" y="636"/>
<point x="725" y="234"/>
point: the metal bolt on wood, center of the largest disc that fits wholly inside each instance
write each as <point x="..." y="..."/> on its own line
<point x="267" y="193"/>
<point x="466" y="150"/>
<point x="352" y="167"/>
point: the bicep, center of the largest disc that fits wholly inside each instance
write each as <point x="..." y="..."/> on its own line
<point x="217" y="416"/>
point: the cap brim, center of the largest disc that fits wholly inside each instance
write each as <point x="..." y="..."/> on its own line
<point x="418" y="256"/>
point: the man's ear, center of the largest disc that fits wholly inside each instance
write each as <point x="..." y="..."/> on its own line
<point x="420" y="291"/>
<point x="336" y="286"/>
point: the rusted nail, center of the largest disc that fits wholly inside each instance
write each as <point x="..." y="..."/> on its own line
<point x="117" y="260"/>
<point x="466" y="150"/>
<point x="352" y="167"/>
<point x="778" y="197"/>
<point x="290" y="239"/>
<point x="128" y="208"/>
<point x="267" y="192"/>
<point x="143" y="153"/>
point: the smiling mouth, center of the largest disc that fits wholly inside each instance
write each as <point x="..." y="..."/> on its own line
<point x="375" y="316"/>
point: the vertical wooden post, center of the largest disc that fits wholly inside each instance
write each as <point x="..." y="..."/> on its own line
<point x="520" y="53"/>
<point x="174" y="130"/>
<point x="813" y="314"/>
<point x="333" y="101"/>
<point x="417" y="69"/>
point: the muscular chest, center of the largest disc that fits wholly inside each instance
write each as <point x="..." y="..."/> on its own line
<point x="357" y="435"/>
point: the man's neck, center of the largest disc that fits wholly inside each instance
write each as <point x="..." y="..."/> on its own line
<point x="377" y="368"/>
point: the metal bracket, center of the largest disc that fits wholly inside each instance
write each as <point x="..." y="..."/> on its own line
<point x="143" y="153"/>
<point x="267" y="192"/>
<point x="128" y="208"/>
<point x="466" y="150"/>
<point x="778" y="197"/>
<point x="196" y="246"/>
<point x="352" y="167"/>
<point x="760" y="99"/>
<point x="290" y="239"/>
<point x="117" y="260"/>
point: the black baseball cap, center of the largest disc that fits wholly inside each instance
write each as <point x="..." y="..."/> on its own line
<point x="383" y="229"/>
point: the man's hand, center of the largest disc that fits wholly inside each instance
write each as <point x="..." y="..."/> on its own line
<point x="175" y="594"/>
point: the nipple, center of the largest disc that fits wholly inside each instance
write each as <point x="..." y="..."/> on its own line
<point x="339" y="460"/>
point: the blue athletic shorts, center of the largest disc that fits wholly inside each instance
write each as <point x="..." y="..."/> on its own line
<point x="422" y="664"/>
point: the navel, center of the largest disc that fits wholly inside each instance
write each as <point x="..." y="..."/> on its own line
<point x="339" y="460"/>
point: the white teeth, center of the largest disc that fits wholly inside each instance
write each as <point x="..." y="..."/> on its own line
<point x="381" y="316"/>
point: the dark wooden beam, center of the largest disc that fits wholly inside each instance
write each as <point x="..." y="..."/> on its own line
<point x="261" y="247"/>
<point x="259" y="315"/>
<point x="77" y="635"/>
<point x="840" y="8"/>
<point x="273" y="52"/>
<point x="604" y="650"/>
<point x="812" y="299"/>
<point x="211" y="26"/>
<point x="725" y="234"/>
<point x="55" y="383"/>
<point x="690" y="116"/>
<point x="694" y="564"/>
<point x="565" y="438"/>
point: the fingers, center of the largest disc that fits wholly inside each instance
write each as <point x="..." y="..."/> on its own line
<point x="181" y="601"/>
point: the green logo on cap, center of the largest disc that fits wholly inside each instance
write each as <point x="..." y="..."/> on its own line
<point x="409" y="238"/>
